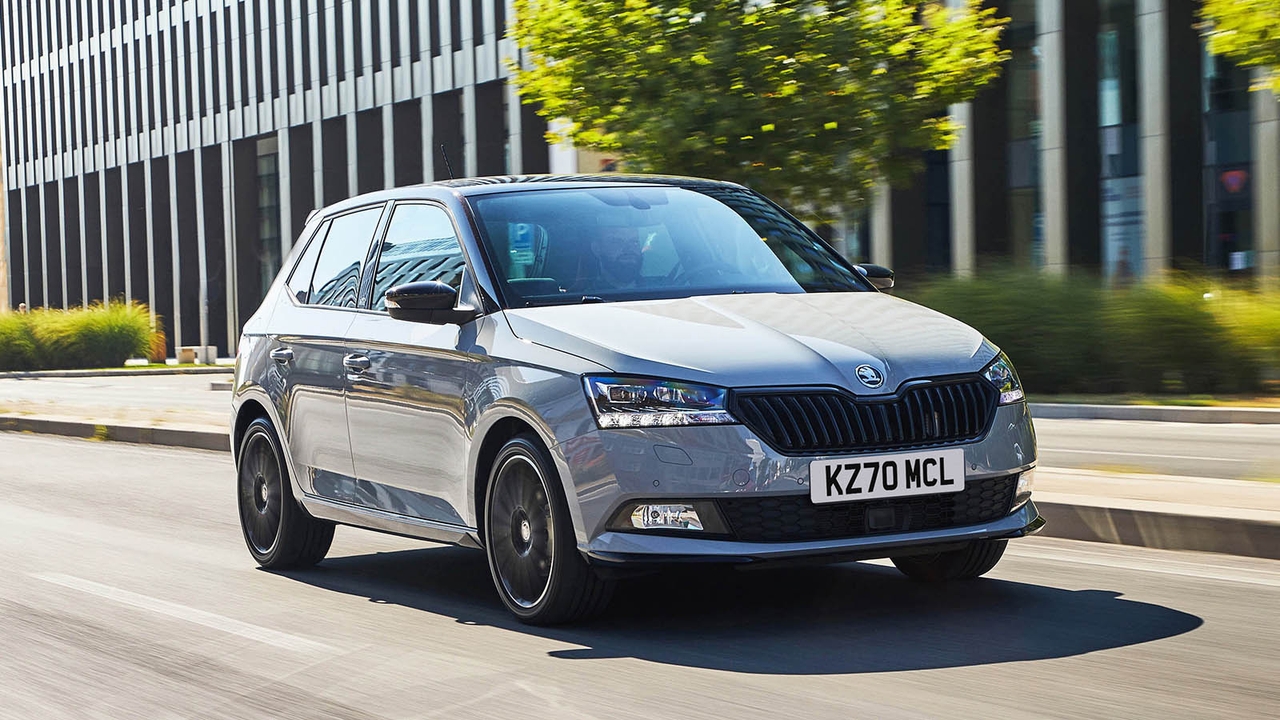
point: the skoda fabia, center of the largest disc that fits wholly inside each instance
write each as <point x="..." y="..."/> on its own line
<point x="594" y="376"/>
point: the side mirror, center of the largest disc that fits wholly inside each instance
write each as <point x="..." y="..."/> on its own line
<point x="879" y="275"/>
<point x="428" y="302"/>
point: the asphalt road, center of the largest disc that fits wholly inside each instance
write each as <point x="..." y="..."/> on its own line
<point x="1238" y="452"/>
<point x="126" y="591"/>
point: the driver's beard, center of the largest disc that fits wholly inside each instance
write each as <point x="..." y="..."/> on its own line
<point x="624" y="269"/>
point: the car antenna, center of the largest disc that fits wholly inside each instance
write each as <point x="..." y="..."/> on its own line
<point x="447" y="165"/>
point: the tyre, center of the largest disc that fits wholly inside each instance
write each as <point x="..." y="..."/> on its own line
<point x="972" y="561"/>
<point x="529" y="539"/>
<point x="280" y="533"/>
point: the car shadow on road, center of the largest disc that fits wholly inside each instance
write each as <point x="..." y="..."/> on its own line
<point x="850" y="618"/>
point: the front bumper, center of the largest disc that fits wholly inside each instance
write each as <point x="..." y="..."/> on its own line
<point x="619" y="548"/>
<point x="605" y="469"/>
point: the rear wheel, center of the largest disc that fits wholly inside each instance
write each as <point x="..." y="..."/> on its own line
<point x="528" y="537"/>
<point x="974" y="560"/>
<point x="279" y="532"/>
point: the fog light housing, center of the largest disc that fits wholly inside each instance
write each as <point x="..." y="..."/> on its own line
<point x="700" y="517"/>
<point x="1026" y="483"/>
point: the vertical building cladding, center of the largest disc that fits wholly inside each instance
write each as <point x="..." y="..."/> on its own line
<point x="168" y="151"/>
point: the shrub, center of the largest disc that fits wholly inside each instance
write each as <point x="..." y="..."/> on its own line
<point x="1050" y="327"/>
<point x="95" y="336"/>
<point x="1165" y="338"/>
<point x="1253" y="320"/>
<point x="1072" y="335"/>
<point x="17" y="345"/>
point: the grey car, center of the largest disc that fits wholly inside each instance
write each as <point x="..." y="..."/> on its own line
<point x="596" y="376"/>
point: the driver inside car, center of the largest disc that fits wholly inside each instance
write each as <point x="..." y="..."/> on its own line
<point x="617" y="251"/>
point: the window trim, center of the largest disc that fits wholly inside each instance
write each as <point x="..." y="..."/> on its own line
<point x="328" y="219"/>
<point x="366" y="304"/>
<point x="302" y="247"/>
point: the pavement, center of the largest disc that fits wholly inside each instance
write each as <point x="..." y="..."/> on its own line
<point x="1171" y="485"/>
<point x="128" y="592"/>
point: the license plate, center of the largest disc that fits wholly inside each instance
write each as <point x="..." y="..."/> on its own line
<point x="927" y="472"/>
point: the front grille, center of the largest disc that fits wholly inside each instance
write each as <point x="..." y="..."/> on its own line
<point x="794" y="518"/>
<point x="807" y="422"/>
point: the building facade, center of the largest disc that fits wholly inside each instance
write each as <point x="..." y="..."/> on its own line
<point x="166" y="151"/>
<point x="1112" y="143"/>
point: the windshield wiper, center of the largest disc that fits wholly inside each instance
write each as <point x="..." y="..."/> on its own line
<point x="591" y="299"/>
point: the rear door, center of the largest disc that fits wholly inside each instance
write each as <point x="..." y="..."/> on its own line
<point x="309" y="347"/>
<point x="408" y="403"/>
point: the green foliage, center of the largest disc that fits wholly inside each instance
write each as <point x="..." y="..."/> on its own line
<point x="1253" y="319"/>
<point x="808" y="101"/>
<point x="93" y="337"/>
<point x="1248" y="32"/>
<point x="1072" y="335"/>
<point x="17" y="344"/>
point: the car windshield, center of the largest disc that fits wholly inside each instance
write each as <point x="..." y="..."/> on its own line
<point x="573" y="245"/>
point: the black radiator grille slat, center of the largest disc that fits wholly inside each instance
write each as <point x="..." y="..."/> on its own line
<point x="794" y="518"/>
<point x="823" y="421"/>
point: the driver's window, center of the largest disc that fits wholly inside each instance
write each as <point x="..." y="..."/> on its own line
<point x="420" y="245"/>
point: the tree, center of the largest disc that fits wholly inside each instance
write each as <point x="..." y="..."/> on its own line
<point x="806" y="100"/>
<point x="1248" y="32"/>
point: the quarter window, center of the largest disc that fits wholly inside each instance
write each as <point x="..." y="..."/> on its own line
<point x="300" y="280"/>
<point x="420" y="245"/>
<point x="337" y="275"/>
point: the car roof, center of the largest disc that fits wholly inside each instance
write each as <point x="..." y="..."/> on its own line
<point x="517" y="183"/>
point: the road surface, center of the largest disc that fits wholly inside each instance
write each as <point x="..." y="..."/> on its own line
<point x="1238" y="452"/>
<point x="127" y="592"/>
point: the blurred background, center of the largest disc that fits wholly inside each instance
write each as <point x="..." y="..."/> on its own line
<point x="166" y="153"/>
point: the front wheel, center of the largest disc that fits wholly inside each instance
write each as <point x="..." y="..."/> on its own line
<point x="279" y="532"/>
<point x="528" y="537"/>
<point x="971" y="561"/>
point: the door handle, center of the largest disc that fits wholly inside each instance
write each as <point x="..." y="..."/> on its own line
<point x="282" y="355"/>
<point x="356" y="363"/>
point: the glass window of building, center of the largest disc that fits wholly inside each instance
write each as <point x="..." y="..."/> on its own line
<point x="1121" y="181"/>
<point x="1022" y="73"/>
<point x="1228" y="166"/>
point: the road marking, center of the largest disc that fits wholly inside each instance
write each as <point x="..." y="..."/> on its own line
<point x="1149" y="455"/>
<point x="1152" y="565"/>
<point x="189" y="614"/>
<point x="1157" y="565"/>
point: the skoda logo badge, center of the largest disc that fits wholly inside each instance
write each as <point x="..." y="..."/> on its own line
<point x="869" y="376"/>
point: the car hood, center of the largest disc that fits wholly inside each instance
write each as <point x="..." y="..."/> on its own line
<point x="762" y="339"/>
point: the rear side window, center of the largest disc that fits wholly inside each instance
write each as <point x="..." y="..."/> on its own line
<point x="420" y="245"/>
<point x="336" y="280"/>
<point x="300" y="280"/>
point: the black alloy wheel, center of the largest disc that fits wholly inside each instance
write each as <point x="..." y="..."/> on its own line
<point x="537" y="569"/>
<point x="522" y="533"/>
<point x="260" y="494"/>
<point x="279" y="532"/>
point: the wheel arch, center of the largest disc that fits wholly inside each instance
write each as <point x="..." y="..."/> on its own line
<point x="251" y="403"/>
<point x="497" y="434"/>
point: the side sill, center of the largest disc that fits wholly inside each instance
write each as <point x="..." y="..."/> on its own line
<point x="403" y="525"/>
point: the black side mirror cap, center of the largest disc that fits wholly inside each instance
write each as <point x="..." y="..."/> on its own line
<point x="428" y="302"/>
<point x="879" y="275"/>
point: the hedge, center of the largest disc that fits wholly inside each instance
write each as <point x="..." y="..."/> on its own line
<point x="1073" y="335"/>
<point x="96" y="336"/>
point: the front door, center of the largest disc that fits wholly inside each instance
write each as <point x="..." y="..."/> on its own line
<point x="408" y="383"/>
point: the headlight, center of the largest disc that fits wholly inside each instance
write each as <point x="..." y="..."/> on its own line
<point x="1000" y="373"/>
<point x="621" y="402"/>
